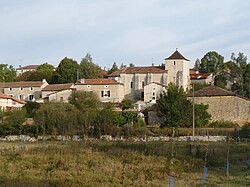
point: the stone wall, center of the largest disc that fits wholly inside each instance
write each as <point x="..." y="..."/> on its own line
<point x="228" y="108"/>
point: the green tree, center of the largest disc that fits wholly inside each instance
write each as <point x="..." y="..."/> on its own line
<point x="88" y="69"/>
<point x="220" y="80"/>
<point x="31" y="108"/>
<point x="57" y="118"/>
<point x="212" y="62"/>
<point x="113" y="69"/>
<point x="7" y="73"/>
<point x="127" y="104"/>
<point x="66" y="71"/>
<point x="85" y="100"/>
<point x="176" y="110"/>
<point x="197" y="64"/>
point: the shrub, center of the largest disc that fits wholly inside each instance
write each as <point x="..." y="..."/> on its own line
<point x="223" y="124"/>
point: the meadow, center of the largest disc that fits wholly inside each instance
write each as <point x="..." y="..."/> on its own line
<point x="100" y="163"/>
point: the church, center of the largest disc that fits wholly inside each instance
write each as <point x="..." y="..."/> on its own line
<point x="146" y="83"/>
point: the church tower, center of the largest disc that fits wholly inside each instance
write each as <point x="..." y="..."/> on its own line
<point x="178" y="70"/>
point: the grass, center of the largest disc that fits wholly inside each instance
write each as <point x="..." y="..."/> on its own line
<point x="122" y="164"/>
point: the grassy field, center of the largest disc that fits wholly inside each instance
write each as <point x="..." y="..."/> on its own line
<point x="122" y="164"/>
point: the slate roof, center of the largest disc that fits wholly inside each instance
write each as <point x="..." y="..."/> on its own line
<point x="22" y="84"/>
<point x="176" y="56"/>
<point x="4" y="96"/>
<point x="98" y="82"/>
<point x="133" y="70"/>
<point x="58" y="87"/>
<point x="28" y="67"/>
<point x="212" y="91"/>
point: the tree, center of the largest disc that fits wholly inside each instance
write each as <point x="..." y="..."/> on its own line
<point x="197" y="64"/>
<point x="240" y="85"/>
<point x="220" y="81"/>
<point x="212" y="62"/>
<point x="113" y="69"/>
<point x="66" y="71"/>
<point x="7" y="73"/>
<point x="127" y="104"/>
<point x="176" y="110"/>
<point x="31" y="108"/>
<point x="57" y="118"/>
<point x="88" y="69"/>
<point x="84" y="100"/>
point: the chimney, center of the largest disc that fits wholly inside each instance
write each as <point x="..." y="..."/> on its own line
<point x="82" y="80"/>
<point x="44" y="81"/>
<point x="20" y="66"/>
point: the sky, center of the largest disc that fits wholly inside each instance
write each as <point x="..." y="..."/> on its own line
<point x="141" y="32"/>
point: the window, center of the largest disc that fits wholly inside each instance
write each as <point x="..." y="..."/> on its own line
<point x="105" y="86"/>
<point x="31" y="88"/>
<point x="174" y="63"/>
<point x="105" y="93"/>
<point x="142" y="84"/>
<point x="88" y="86"/>
<point x="131" y="85"/>
<point x="61" y="99"/>
<point x="21" y="88"/>
<point x="153" y="93"/>
<point x="10" y="89"/>
<point x="21" y="97"/>
<point x="31" y="97"/>
<point x="153" y="98"/>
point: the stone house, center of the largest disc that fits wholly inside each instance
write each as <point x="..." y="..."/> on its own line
<point x="24" y="90"/>
<point x="201" y="78"/>
<point x="152" y="91"/>
<point x="10" y="103"/>
<point x="57" y="92"/>
<point x="107" y="90"/>
<point x="223" y="104"/>
<point x="21" y="70"/>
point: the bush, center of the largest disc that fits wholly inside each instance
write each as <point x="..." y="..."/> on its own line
<point x="245" y="131"/>
<point x="223" y="124"/>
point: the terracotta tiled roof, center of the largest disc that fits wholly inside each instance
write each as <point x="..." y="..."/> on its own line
<point x="28" y="67"/>
<point x="97" y="82"/>
<point x="22" y="84"/>
<point x="199" y="75"/>
<point x="145" y="69"/>
<point x="211" y="91"/>
<point x="4" y="96"/>
<point x="176" y="56"/>
<point x="58" y="87"/>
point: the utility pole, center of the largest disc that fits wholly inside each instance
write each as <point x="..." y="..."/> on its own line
<point x="193" y="113"/>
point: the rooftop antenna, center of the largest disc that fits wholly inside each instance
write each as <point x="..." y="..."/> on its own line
<point x="152" y="61"/>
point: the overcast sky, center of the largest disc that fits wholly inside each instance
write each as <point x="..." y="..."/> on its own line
<point x="122" y="31"/>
